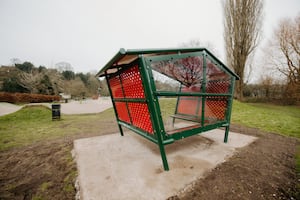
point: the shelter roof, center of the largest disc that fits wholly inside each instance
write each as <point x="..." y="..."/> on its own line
<point x="124" y="57"/>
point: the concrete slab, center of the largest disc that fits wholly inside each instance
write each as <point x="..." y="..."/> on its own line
<point x="130" y="167"/>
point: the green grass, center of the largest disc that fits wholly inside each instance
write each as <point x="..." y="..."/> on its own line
<point x="34" y="123"/>
<point x="283" y="120"/>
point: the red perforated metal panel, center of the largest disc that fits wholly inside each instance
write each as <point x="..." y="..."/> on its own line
<point x="116" y="87"/>
<point x="140" y="116"/>
<point x="122" y="111"/>
<point x="218" y="86"/>
<point x="216" y="107"/>
<point x="132" y="83"/>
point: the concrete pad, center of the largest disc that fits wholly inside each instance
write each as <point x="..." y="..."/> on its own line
<point x="130" y="167"/>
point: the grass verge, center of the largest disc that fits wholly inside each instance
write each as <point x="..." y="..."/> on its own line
<point x="283" y="120"/>
<point x="34" y="123"/>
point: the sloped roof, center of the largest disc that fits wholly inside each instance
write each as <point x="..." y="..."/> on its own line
<point x="129" y="55"/>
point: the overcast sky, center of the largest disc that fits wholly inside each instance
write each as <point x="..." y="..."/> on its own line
<point x="87" y="33"/>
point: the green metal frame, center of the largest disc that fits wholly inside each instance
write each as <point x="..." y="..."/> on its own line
<point x="160" y="136"/>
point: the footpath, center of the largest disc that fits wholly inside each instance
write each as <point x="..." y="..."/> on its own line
<point x="73" y="107"/>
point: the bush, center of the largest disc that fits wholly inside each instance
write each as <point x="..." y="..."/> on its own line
<point x="27" y="98"/>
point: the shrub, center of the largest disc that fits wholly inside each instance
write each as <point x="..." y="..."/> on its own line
<point x="27" y="98"/>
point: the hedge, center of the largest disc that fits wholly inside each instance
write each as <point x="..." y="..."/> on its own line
<point x="27" y="98"/>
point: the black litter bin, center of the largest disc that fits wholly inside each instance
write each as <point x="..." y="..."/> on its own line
<point x="55" y="111"/>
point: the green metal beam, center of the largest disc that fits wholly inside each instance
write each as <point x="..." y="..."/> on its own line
<point x="135" y="100"/>
<point x="198" y="94"/>
<point x="203" y="86"/>
<point x="195" y="131"/>
<point x="153" y="104"/>
<point x="113" y="103"/>
<point x="138" y="131"/>
<point x="228" y="111"/>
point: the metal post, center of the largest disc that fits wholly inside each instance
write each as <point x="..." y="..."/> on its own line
<point x="153" y="104"/>
<point x="176" y="108"/>
<point x="229" y="108"/>
<point x="203" y="85"/>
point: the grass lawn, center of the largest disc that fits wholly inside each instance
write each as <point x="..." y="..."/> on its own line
<point x="283" y="120"/>
<point x="34" y="123"/>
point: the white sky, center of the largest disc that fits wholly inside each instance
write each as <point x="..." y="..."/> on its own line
<point x="87" y="33"/>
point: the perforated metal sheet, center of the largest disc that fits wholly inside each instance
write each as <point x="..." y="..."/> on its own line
<point x="218" y="86"/>
<point x="217" y="107"/>
<point x="140" y="116"/>
<point x="128" y="85"/>
<point x="132" y="83"/>
<point x="122" y="111"/>
<point x="116" y="87"/>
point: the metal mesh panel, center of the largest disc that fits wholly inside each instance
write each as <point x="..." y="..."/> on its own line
<point x="122" y="111"/>
<point x="132" y="83"/>
<point x="188" y="70"/>
<point x="140" y="116"/>
<point x="214" y="72"/>
<point x="116" y="87"/>
<point x="217" y="80"/>
<point x="218" y="86"/>
<point x="216" y="107"/>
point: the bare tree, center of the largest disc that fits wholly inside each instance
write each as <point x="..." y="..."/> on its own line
<point x="242" y="25"/>
<point x="63" y="66"/>
<point x="266" y="83"/>
<point x="30" y="81"/>
<point x="285" y="55"/>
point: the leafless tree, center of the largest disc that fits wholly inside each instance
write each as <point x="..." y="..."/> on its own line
<point x="30" y="81"/>
<point x="266" y="83"/>
<point x="284" y="55"/>
<point x="15" y="61"/>
<point x="35" y="81"/>
<point x="242" y="26"/>
<point x="63" y="66"/>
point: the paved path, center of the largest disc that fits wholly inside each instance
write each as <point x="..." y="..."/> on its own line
<point x="7" y="108"/>
<point x="73" y="107"/>
<point x="86" y="106"/>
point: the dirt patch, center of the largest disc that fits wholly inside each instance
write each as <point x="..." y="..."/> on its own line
<point x="263" y="170"/>
<point x="44" y="170"/>
<point x="35" y="170"/>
